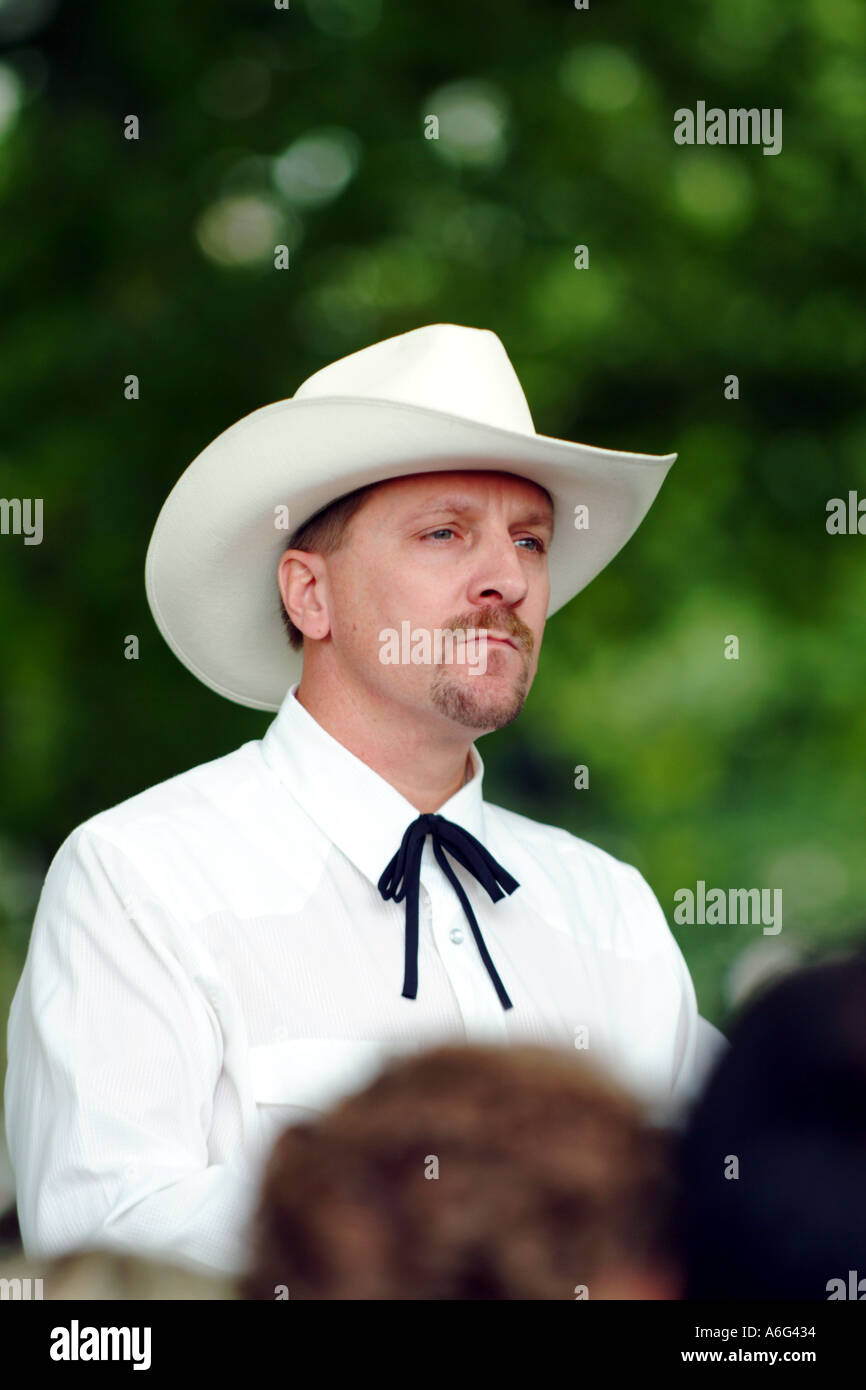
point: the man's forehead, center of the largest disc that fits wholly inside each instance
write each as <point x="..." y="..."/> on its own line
<point x="468" y="487"/>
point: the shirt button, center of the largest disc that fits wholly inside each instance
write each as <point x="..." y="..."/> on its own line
<point x="456" y="935"/>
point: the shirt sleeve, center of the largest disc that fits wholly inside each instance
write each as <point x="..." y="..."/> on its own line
<point x="699" y="1043"/>
<point x="695" y="1043"/>
<point x="113" y="1057"/>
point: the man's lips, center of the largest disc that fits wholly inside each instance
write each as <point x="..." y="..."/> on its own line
<point x="506" y="641"/>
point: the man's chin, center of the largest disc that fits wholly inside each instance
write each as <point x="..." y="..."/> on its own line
<point x="479" y="702"/>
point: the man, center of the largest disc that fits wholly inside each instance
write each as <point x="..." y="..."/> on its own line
<point x="224" y="952"/>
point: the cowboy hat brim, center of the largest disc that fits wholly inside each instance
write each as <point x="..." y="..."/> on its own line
<point x="211" y="566"/>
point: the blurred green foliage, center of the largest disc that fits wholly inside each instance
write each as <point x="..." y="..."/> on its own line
<point x="306" y="126"/>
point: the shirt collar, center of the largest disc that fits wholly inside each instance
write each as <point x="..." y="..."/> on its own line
<point x="361" y="813"/>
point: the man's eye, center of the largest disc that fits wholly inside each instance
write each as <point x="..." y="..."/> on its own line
<point x="444" y="532"/>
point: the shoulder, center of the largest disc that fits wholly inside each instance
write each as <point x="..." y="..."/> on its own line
<point x="207" y="789"/>
<point x="589" y="885"/>
<point x="552" y="844"/>
<point x="188" y="806"/>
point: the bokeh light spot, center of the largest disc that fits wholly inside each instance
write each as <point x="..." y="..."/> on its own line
<point x="601" y="77"/>
<point x="713" y="190"/>
<point x="472" y="123"/>
<point x="10" y="97"/>
<point x="316" y="168"/>
<point x="242" y="231"/>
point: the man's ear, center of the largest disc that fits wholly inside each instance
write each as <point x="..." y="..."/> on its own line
<point x="303" y="585"/>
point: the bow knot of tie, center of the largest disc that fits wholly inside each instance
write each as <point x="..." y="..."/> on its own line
<point x="402" y="879"/>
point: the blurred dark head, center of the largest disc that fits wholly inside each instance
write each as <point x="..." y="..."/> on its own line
<point x="469" y="1173"/>
<point x="786" y="1108"/>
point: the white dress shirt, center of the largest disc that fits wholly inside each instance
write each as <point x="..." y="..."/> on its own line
<point x="212" y="959"/>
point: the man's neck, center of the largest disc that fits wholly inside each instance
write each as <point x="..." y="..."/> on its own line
<point x="424" y="769"/>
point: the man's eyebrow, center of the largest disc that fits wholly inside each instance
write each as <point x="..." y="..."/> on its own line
<point x="544" y="518"/>
<point x="466" y="504"/>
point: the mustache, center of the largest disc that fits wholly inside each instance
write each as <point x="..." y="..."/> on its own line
<point x="498" y="620"/>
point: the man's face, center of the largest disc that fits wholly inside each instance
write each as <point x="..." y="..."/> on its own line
<point x="440" y="553"/>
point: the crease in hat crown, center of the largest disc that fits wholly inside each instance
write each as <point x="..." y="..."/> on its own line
<point x="434" y="399"/>
<point x="442" y="367"/>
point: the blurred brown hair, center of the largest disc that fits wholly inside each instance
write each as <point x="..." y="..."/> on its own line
<point x="548" y="1178"/>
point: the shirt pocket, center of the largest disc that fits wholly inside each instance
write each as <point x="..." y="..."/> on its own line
<point x="313" y="1073"/>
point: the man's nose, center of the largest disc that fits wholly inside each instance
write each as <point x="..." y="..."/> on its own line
<point x="498" y="576"/>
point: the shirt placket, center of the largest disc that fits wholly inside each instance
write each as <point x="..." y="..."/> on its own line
<point x="444" y="922"/>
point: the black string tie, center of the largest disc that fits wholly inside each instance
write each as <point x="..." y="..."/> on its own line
<point x="402" y="879"/>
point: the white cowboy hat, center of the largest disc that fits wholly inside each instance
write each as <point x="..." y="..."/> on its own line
<point x="441" y="397"/>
